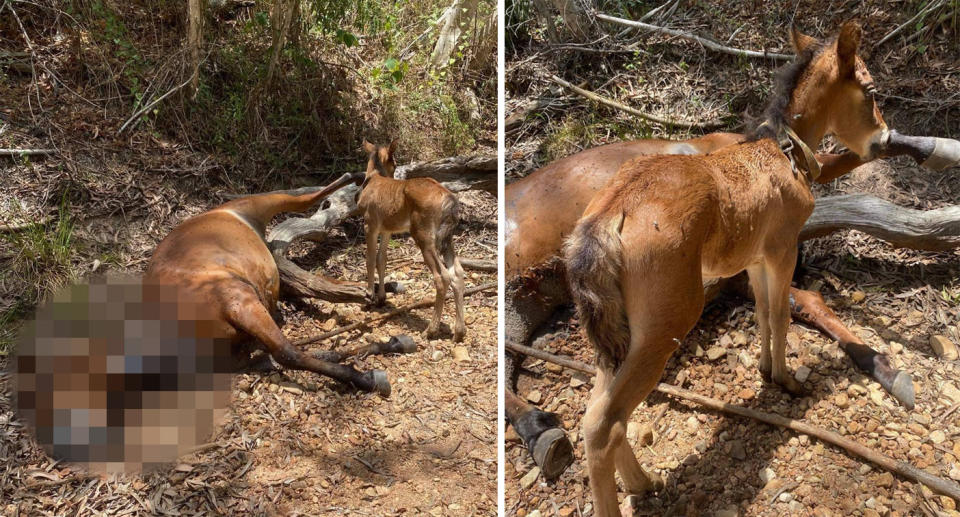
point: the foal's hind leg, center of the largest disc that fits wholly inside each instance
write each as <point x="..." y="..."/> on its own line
<point x="425" y="241"/>
<point x="662" y="306"/>
<point x="453" y="274"/>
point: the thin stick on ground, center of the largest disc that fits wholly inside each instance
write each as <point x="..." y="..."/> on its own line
<point x="26" y="152"/>
<point x="633" y="111"/>
<point x="903" y="468"/>
<point x="712" y="45"/>
<point x="388" y="315"/>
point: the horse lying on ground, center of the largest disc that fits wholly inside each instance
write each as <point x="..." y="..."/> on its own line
<point x="219" y="259"/>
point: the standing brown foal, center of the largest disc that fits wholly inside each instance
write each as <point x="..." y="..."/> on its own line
<point x="425" y="208"/>
<point x="637" y="258"/>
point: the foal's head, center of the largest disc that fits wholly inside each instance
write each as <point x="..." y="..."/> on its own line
<point x="828" y="89"/>
<point x="380" y="158"/>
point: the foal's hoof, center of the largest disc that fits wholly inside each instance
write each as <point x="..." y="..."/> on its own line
<point x="791" y="386"/>
<point x="432" y="332"/>
<point x="380" y="383"/>
<point x="459" y="334"/>
<point x="553" y="452"/>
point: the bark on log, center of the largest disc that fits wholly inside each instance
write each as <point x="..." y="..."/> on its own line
<point x="457" y="173"/>
<point x="931" y="230"/>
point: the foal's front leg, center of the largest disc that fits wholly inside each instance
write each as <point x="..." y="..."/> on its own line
<point x="371" y="258"/>
<point x="382" y="268"/>
<point x="779" y="273"/>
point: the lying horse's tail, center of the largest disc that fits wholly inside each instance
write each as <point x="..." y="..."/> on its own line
<point x="594" y="259"/>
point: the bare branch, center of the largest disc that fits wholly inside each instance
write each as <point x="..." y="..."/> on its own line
<point x="712" y="45"/>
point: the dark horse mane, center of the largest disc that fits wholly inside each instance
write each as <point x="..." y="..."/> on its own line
<point x="786" y="80"/>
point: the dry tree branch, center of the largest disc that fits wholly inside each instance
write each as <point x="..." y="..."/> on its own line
<point x="714" y="124"/>
<point x="903" y="468"/>
<point x="712" y="45"/>
<point x="26" y="152"/>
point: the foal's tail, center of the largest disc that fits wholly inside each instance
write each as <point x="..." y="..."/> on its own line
<point x="594" y="260"/>
<point x="449" y="219"/>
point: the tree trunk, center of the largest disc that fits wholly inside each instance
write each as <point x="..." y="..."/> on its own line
<point x="457" y="173"/>
<point x="282" y="15"/>
<point x="459" y="12"/>
<point x="195" y="10"/>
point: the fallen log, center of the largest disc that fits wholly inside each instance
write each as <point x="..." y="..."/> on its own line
<point x="903" y="468"/>
<point x="457" y="173"/>
<point x="931" y="230"/>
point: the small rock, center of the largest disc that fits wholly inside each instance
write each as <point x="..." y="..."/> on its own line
<point x="692" y="425"/>
<point x="530" y="478"/>
<point x="437" y="355"/>
<point x="535" y="513"/>
<point x="795" y="507"/>
<point x="745" y="359"/>
<point x="869" y="512"/>
<point x="943" y="347"/>
<point x="793" y="339"/>
<point x="854" y="427"/>
<point x="534" y="396"/>
<point x="802" y="374"/>
<point x="554" y="368"/>
<point x="895" y="347"/>
<point x="767" y="475"/>
<point x="565" y="512"/>
<point x="746" y="394"/>
<point x="885" y="479"/>
<point x="737" y="450"/>
<point x="937" y="437"/>
<point x="951" y="392"/>
<point x="460" y="354"/>
<point x="785" y="497"/>
<point x="955" y="473"/>
<point x="857" y="296"/>
<point x="948" y="503"/>
<point x="578" y="379"/>
<point x="739" y="338"/>
<point x="841" y="400"/>
<point x="329" y="325"/>
<point x="715" y="353"/>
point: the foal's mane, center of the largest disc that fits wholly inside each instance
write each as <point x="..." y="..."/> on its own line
<point x="785" y="82"/>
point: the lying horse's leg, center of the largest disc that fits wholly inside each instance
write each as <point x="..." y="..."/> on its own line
<point x="246" y="312"/>
<point x="809" y="307"/>
<point x="396" y="345"/>
<point x="541" y="434"/>
<point x="529" y="304"/>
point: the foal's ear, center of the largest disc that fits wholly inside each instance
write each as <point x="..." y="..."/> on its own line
<point x="799" y="40"/>
<point x="393" y="146"/>
<point x="847" y="44"/>
<point x="368" y="147"/>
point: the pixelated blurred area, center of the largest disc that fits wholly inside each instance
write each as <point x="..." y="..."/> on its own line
<point x="120" y="377"/>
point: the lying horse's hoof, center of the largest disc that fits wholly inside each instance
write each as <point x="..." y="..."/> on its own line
<point x="553" y="452"/>
<point x="902" y="389"/>
<point x="394" y="287"/>
<point x="380" y="383"/>
<point x="400" y="345"/>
